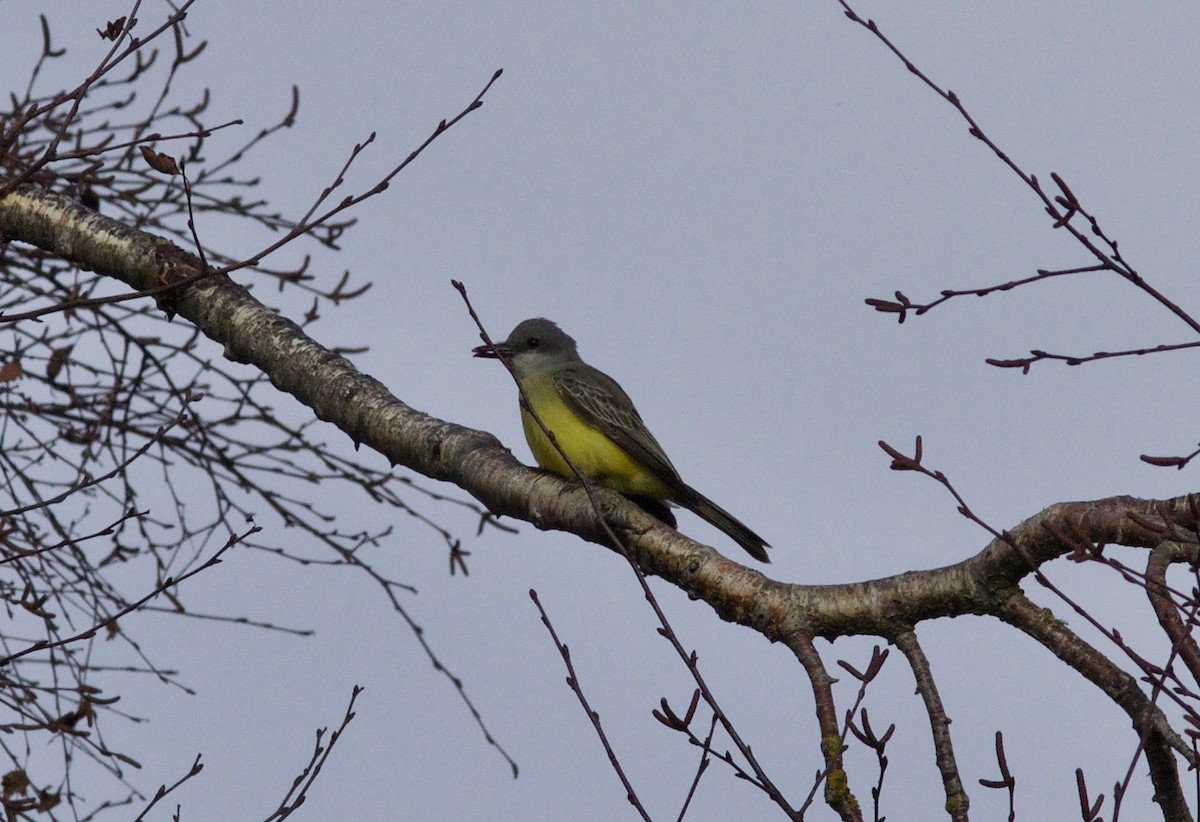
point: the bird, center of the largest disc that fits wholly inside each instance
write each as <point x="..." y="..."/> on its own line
<point x="597" y="426"/>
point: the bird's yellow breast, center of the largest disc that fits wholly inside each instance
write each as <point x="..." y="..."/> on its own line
<point x="597" y="456"/>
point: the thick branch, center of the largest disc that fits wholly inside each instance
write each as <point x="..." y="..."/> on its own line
<point x="364" y="409"/>
<point x="1147" y="719"/>
<point x="1164" y="606"/>
<point x="837" y="783"/>
<point x="957" y="801"/>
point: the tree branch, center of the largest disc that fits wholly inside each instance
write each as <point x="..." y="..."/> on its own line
<point x="1119" y="686"/>
<point x="957" y="801"/>
<point x="837" y="784"/>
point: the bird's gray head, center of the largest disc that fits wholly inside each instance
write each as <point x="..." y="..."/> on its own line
<point x="534" y="345"/>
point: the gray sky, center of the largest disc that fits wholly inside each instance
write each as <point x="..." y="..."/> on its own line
<point x="703" y="195"/>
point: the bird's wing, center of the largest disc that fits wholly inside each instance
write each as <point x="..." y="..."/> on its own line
<point x="598" y="399"/>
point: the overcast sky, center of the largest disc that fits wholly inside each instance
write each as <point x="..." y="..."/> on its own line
<point x="702" y="195"/>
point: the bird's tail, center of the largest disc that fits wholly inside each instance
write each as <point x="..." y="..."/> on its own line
<point x="714" y="514"/>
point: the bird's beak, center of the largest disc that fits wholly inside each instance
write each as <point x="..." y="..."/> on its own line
<point x="492" y="352"/>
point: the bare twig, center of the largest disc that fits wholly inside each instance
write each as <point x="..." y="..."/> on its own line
<point x="169" y="582"/>
<point x="163" y="790"/>
<point x="593" y="716"/>
<point x="865" y="734"/>
<point x="701" y="767"/>
<point x="312" y="219"/>
<point x="297" y="793"/>
<point x="1062" y="209"/>
<point x="1006" y="781"/>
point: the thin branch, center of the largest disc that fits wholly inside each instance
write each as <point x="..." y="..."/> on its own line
<point x="169" y="582"/>
<point x="1036" y="355"/>
<point x="308" y="222"/>
<point x="88" y="482"/>
<point x="593" y="716"/>
<point x="901" y="306"/>
<point x="865" y="734"/>
<point x="1062" y="209"/>
<point x="1006" y="781"/>
<point x="1182" y="640"/>
<point x="163" y="790"/>
<point x="705" y="754"/>
<point x="296" y="795"/>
